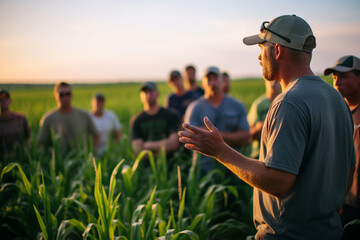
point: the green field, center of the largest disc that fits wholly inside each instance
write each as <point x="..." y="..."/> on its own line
<point x="45" y="196"/>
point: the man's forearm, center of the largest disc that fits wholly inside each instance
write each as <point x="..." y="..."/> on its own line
<point x="254" y="172"/>
<point x="236" y="139"/>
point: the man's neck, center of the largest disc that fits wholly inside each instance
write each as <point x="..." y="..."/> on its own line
<point x="5" y="113"/>
<point x="65" y="109"/>
<point x="98" y="113"/>
<point x="216" y="99"/>
<point x="192" y="87"/>
<point x="353" y="103"/>
<point x="296" y="72"/>
<point x="152" y="110"/>
<point x="180" y="92"/>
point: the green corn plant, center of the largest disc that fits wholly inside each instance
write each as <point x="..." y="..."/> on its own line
<point x="183" y="235"/>
<point x="144" y="219"/>
<point x="106" y="225"/>
<point x="18" y="210"/>
<point x="106" y="204"/>
<point x="48" y="224"/>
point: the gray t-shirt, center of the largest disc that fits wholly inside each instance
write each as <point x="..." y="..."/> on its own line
<point x="308" y="132"/>
<point x="229" y="116"/>
<point x="70" y="128"/>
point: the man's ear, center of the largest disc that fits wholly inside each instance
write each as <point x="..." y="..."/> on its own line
<point x="278" y="51"/>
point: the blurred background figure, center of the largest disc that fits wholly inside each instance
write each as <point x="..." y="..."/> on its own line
<point x="180" y="98"/>
<point x="226" y="113"/>
<point x="67" y="124"/>
<point x="346" y="79"/>
<point x="190" y="81"/>
<point x="226" y="82"/>
<point x="257" y="114"/>
<point x="154" y="127"/>
<point x="14" y="127"/>
<point x="106" y="122"/>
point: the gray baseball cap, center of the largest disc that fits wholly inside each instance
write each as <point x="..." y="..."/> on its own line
<point x="287" y="30"/>
<point x="148" y="85"/>
<point x="344" y="64"/>
<point x="212" y="69"/>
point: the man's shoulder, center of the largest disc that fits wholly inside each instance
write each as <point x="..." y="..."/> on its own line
<point x="167" y="111"/>
<point x="17" y="115"/>
<point x="51" y="114"/>
<point x="231" y="101"/>
<point x="109" y="113"/>
<point x="137" y="116"/>
<point x="201" y="101"/>
<point x="80" y="111"/>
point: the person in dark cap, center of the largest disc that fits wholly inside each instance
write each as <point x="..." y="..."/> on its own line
<point x="307" y="153"/>
<point x="346" y="79"/>
<point x="155" y="127"/>
<point x="180" y="99"/>
<point x="14" y="127"/>
<point x="227" y="113"/>
<point x="106" y="122"/>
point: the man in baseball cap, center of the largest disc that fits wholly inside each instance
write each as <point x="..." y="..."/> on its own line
<point x="287" y="30"/>
<point x="346" y="79"/>
<point x="300" y="179"/>
<point x="154" y="128"/>
<point x="148" y="85"/>
<point x="228" y="115"/>
<point x="344" y="64"/>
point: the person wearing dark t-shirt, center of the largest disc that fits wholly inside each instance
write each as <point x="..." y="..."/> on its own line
<point x="155" y="127"/>
<point x="180" y="98"/>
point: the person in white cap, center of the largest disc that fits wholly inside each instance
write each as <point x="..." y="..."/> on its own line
<point x="227" y="113"/>
<point x="307" y="153"/>
<point x="346" y="76"/>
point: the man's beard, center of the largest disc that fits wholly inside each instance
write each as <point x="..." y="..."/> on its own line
<point x="270" y="68"/>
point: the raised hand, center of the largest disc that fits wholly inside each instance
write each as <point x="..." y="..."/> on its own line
<point x="206" y="141"/>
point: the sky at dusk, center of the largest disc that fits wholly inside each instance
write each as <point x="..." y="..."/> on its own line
<point x="113" y="40"/>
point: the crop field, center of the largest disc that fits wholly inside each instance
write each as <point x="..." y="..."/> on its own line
<point x="120" y="196"/>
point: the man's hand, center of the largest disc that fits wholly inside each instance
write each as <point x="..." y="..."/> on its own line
<point x="206" y="141"/>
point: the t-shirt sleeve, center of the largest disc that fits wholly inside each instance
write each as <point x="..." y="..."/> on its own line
<point x="286" y="137"/>
<point x="135" y="128"/>
<point x="252" y="115"/>
<point x="27" y="129"/>
<point x="91" y="125"/>
<point x="44" y="131"/>
<point x="243" y="123"/>
<point x="115" y="121"/>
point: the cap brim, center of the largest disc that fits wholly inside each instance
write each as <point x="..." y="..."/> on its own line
<point x="337" y="69"/>
<point x="212" y="72"/>
<point x="252" y="40"/>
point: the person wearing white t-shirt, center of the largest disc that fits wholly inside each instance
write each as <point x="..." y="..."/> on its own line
<point x="106" y="121"/>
